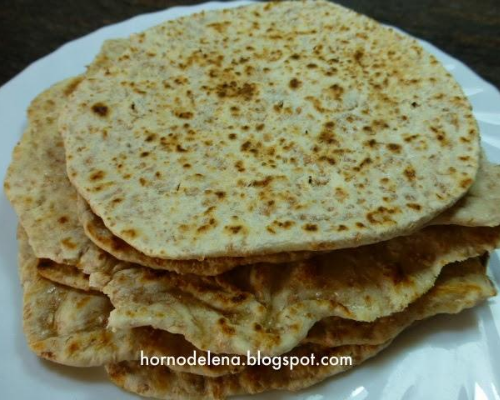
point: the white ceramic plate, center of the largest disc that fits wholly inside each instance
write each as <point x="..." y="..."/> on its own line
<point x="447" y="357"/>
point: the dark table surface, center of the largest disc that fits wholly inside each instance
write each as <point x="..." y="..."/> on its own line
<point x="467" y="29"/>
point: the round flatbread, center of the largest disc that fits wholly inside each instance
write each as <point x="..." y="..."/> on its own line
<point x="269" y="128"/>
<point x="36" y="183"/>
<point x="102" y="237"/>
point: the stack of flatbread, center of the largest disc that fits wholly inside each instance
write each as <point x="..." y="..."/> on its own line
<point x="287" y="178"/>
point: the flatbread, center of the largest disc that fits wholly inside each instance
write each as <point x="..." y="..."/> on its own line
<point x="64" y="274"/>
<point x="62" y="324"/>
<point x="110" y="50"/>
<point x="36" y="183"/>
<point x="37" y="186"/>
<point x="460" y="286"/>
<point x="261" y="307"/>
<point x="68" y="326"/>
<point x="45" y="201"/>
<point x="66" y="244"/>
<point x="232" y="133"/>
<point x="92" y="273"/>
<point x="78" y="314"/>
<point x="104" y="238"/>
<point x="479" y="207"/>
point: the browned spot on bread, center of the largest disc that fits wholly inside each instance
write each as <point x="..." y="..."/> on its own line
<point x="184" y="114"/>
<point x="47" y="355"/>
<point x="209" y="210"/>
<point x="358" y="55"/>
<point x="327" y="135"/>
<point x="465" y="183"/>
<point x="228" y="330"/>
<point x="234" y="228"/>
<point x="270" y="230"/>
<point x="220" y="26"/>
<point x="130" y="233"/>
<point x="294" y="83"/>
<point x="233" y="89"/>
<point x="72" y="86"/>
<point x="310" y="227"/>
<point x="100" y="109"/>
<point x="381" y="215"/>
<point x="278" y="107"/>
<point x="415" y="206"/>
<point x="97" y="175"/>
<point x="329" y="160"/>
<point x="63" y="219"/>
<point x="97" y="188"/>
<point x="410" y="138"/>
<point x="263" y="182"/>
<point x="341" y="194"/>
<point x="211" y="224"/>
<point x="67" y="242"/>
<point x="337" y="91"/>
<point x="396" y="148"/>
<point x="284" y="225"/>
<point x="342" y="228"/>
<point x="410" y="173"/>
<point x="365" y="162"/>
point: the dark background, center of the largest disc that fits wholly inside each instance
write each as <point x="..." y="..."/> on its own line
<point x="467" y="29"/>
